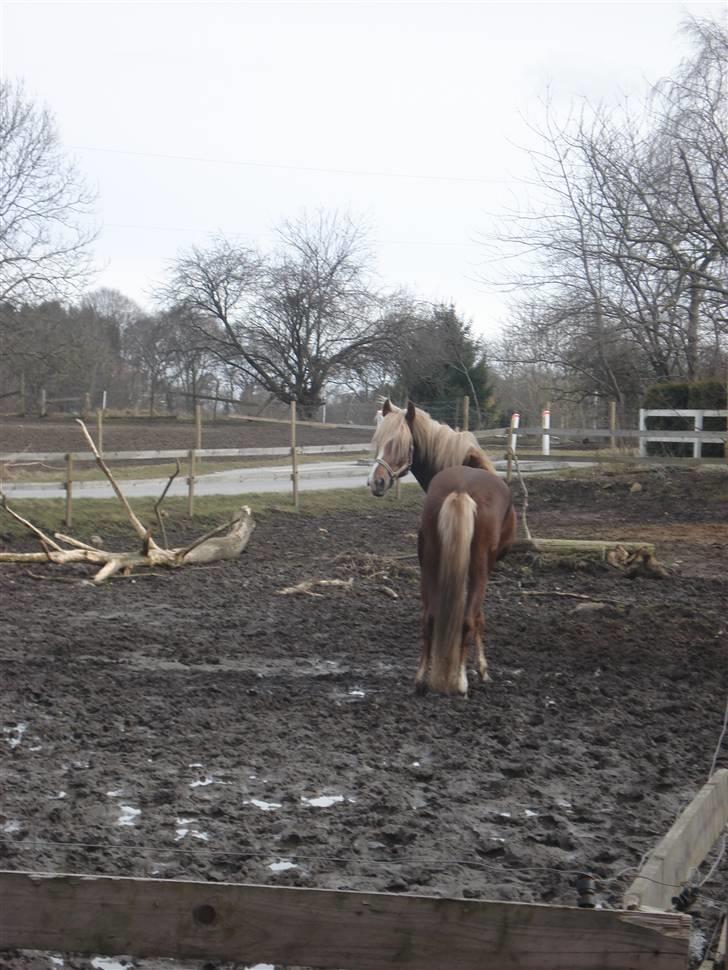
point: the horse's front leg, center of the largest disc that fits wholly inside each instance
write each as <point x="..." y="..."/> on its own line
<point x="421" y="675"/>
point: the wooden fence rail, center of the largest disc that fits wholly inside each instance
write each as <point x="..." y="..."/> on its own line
<point x="327" y="929"/>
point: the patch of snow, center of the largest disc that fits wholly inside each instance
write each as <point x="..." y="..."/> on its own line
<point x="57" y="961"/>
<point x="357" y="692"/>
<point x="203" y="782"/>
<point x="10" y="828"/>
<point x="529" y="814"/>
<point x="15" y="734"/>
<point x="282" y="865"/>
<point x="112" y="963"/>
<point x="504" y="814"/>
<point x="264" y="806"/>
<point x="323" y="801"/>
<point x="61" y="794"/>
<point x="128" y="815"/>
<point x="115" y="793"/>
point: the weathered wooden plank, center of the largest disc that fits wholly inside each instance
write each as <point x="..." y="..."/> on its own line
<point x="683" y="849"/>
<point x="321" y="928"/>
<point x="24" y="456"/>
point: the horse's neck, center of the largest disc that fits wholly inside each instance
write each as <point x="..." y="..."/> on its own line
<point x="423" y="471"/>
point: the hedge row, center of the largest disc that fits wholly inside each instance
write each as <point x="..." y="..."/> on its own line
<point x="695" y="395"/>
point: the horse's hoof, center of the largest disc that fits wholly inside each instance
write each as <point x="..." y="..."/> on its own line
<point x="420" y="688"/>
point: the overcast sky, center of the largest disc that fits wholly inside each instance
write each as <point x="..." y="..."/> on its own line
<point x="194" y="118"/>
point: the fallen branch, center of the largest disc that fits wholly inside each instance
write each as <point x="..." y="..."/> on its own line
<point x="306" y="587"/>
<point x="210" y="547"/>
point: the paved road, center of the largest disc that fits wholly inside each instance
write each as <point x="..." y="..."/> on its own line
<point x="313" y="477"/>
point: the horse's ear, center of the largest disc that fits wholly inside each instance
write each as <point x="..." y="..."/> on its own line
<point x="386" y="407"/>
<point x="410" y="413"/>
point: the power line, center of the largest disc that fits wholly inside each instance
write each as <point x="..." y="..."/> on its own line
<point x="365" y="173"/>
<point x="376" y="242"/>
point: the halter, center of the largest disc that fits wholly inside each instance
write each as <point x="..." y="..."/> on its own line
<point x="399" y="473"/>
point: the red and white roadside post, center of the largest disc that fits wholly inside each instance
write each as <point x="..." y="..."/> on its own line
<point x="546" y="432"/>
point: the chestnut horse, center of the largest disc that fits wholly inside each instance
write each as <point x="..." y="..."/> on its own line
<point x="468" y="524"/>
<point x="409" y="439"/>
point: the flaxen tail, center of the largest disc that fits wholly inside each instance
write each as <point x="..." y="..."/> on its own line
<point x="455" y="526"/>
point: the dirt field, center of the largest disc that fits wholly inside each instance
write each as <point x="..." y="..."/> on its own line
<point x="62" y="435"/>
<point x="203" y="725"/>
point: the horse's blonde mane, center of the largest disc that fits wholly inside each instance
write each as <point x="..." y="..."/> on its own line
<point x="437" y="444"/>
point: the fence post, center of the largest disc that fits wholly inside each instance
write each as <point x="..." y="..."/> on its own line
<point x="545" y="430"/>
<point x="613" y="424"/>
<point x="68" y="521"/>
<point x="191" y="484"/>
<point x="43" y="403"/>
<point x="100" y="430"/>
<point x="22" y="394"/>
<point x="466" y="413"/>
<point x="198" y="426"/>
<point x="294" y="456"/>
<point x="698" y="444"/>
<point x="512" y="442"/>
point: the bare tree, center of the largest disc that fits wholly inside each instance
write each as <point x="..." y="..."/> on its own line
<point x="44" y="206"/>
<point x="294" y="322"/>
<point x="626" y="247"/>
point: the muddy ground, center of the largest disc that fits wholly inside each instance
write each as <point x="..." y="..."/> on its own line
<point x="204" y="725"/>
<point x="63" y="434"/>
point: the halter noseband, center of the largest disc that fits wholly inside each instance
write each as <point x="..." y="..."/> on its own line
<point x="399" y="473"/>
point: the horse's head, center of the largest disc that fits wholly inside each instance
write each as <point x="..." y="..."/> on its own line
<point x="393" y="444"/>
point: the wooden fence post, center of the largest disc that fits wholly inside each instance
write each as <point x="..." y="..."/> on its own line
<point x="613" y="424"/>
<point x="198" y="426"/>
<point x="466" y="413"/>
<point x="191" y="485"/>
<point x="100" y="430"/>
<point x="294" y="456"/>
<point x="43" y="403"/>
<point x="68" y="521"/>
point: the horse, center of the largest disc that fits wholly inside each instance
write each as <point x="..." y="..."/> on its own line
<point x="468" y="524"/>
<point x="409" y="439"/>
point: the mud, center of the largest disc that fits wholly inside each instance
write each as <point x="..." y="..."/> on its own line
<point x="204" y="725"/>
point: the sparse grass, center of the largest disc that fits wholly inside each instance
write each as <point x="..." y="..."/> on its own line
<point x="106" y="516"/>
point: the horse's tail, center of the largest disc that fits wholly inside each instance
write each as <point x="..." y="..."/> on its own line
<point x="456" y="526"/>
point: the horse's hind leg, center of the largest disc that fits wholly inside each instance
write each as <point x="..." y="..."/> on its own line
<point x="421" y="675"/>
<point x="480" y="647"/>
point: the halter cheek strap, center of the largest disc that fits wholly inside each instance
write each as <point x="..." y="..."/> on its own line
<point x="393" y="475"/>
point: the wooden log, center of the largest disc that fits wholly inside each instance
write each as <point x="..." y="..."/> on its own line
<point x="672" y="863"/>
<point x="327" y="929"/>
<point x="575" y="547"/>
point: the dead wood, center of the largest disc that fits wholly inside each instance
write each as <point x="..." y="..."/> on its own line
<point x="307" y="586"/>
<point x="211" y="547"/>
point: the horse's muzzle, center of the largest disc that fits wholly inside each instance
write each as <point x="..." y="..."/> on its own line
<point x="378" y="486"/>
